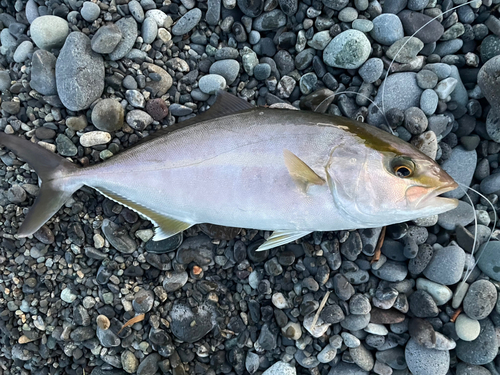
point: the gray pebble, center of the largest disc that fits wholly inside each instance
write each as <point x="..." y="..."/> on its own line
<point x="415" y="120"/>
<point x="106" y="39"/>
<point x="211" y="83"/>
<point x="90" y="11"/>
<point x="79" y="73"/>
<point x="348" y="50"/>
<point x="401" y="92"/>
<point x="481" y="350"/>
<point x="149" y="30"/>
<point x="136" y="10"/>
<point x="446" y="265"/>
<point x="424" y="361"/>
<point x="480" y="299"/>
<point x="43" y="72"/>
<point x="387" y="29"/>
<point x="228" y="69"/>
<point x="460" y="166"/>
<point x="16" y="194"/>
<point x="391" y="271"/>
<point x="107" y="115"/>
<point x="371" y="70"/>
<point x="462" y="215"/>
<point x="128" y="29"/>
<point x="405" y="50"/>
<point x="262" y="71"/>
<point x="5" y="80"/>
<point x="65" y="146"/>
<point x="427" y="79"/>
<point x="117" y="238"/>
<point x="31" y="11"/>
<point x="23" y="51"/>
<point x="187" y="22"/>
<point x="272" y="20"/>
<point x="138" y="119"/>
<point x="429" y="102"/>
<point x="49" y="32"/>
<point x="422" y="305"/>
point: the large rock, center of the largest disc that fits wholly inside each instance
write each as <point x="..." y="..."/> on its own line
<point x="79" y="73"/>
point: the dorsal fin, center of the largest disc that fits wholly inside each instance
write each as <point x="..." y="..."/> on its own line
<point x="226" y="104"/>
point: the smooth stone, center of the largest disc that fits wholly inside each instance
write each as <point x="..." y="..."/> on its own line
<point x="371" y="70"/>
<point x="422" y="305"/>
<point x="489" y="262"/>
<point x="362" y="25"/>
<point x="160" y="17"/>
<point x="107" y="115"/>
<point x="446" y="265"/>
<point x="183" y="316"/>
<point x="23" y="51"/>
<point x="128" y="29"/>
<point x="213" y="12"/>
<point x="120" y="240"/>
<point x="65" y="146"/>
<point x="481" y="350"/>
<point x="348" y="50"/>
<point x="463" y="215"/>
<point x="268" y="21"/>
<point x="43" y="72"/>
<point x="387" y="29"/>
<point x="467" y="329"/>
<point x="49" y="32"/>
<point x="445" y="87"/>
<point x="401" y="92"/>
<point x="159" y="88"/>
<point x="138" y="119"/>
<point x="187" y="22"/>
<point x="405" y="50"/>
<point x="149" y="30"/>
<point x="79" y="73"/>
<point x="106" y="39"/>
<point x="490" y="184"/>
<point x="32" y="11"/>
<point x="424" y="361"/>
<point x="68" y="295"/>
<point x="320" y="40"/>
<point x="430" y="30"/>
<point x="460" y="166"/>
<point x="90" y="11"/>
<point x="212" y="83"/>
<point x="391" y="271"/>
<point x="136" y="10"/>
<point x="429" y="102"/>
<point x="228" y="69"/>
<point x="486" y="79"/>
<point x="480" y="299"/>
<point x="280" y="368"/>
<point x="440" y="293"/>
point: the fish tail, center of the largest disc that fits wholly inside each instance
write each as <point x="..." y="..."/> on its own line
<point x="53" y="170"/>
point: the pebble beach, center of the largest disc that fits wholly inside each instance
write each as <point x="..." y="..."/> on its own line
<point x="91" y="293"/>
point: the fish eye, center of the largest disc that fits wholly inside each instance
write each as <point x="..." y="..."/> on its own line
<point x="402" y="171"/>
<point x="402" y="167"/>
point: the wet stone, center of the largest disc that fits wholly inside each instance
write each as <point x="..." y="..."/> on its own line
<point x="118" y="237"/>
<point x="175" y="281"/>
<point x="196" y="249"/>
<point x="143" y="301"/>
<point x="391" y="271"/>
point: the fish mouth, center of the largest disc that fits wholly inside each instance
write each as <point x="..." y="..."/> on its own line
<point x="434" y="198"/>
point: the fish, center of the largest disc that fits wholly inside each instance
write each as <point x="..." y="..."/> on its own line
<point x="289" y="172"/>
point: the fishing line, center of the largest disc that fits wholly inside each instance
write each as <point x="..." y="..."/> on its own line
<point x="469" y="269"/>
<point x="406" y="42"/>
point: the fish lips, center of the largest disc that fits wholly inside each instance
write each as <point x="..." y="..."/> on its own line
<point x="431" y="199"/>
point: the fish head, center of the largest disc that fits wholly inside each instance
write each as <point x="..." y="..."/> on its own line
<point x="377" y="179"/>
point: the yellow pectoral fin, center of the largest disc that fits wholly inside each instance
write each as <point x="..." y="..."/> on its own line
<point x="302" y="174"/>
<point x="165" y="225"/>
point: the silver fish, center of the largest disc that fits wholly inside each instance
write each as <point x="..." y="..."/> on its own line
<point x="292" y="172"/>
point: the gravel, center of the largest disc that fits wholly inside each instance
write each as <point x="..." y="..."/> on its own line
<point x="88" y="80"/>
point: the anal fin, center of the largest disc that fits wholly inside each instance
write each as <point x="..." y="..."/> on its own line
<point x="282" y="237"/>
<point x="165" y="225"/>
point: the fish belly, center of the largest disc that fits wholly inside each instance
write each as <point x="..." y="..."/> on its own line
<point x="230" y="172"/>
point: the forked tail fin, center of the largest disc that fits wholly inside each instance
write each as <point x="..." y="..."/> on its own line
<point x="52" y="170"/>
